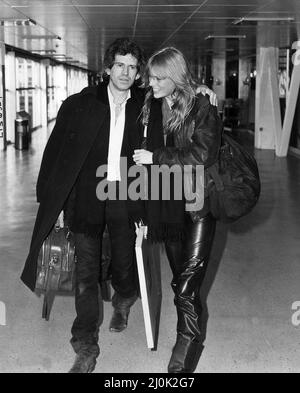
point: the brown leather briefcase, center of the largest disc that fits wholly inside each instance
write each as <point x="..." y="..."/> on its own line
<point x="56" y="267"/>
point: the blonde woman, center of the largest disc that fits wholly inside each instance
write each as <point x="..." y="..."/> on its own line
<point x="192" y="136"/>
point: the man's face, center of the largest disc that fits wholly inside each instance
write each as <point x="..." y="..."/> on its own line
<point x="123" y="72"/>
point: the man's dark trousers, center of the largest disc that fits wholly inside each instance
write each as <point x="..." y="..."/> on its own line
<point x="123" y="268"/>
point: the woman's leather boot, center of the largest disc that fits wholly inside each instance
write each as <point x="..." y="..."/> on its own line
<point x="189" y="266"/>
<point x="185" y="355"/>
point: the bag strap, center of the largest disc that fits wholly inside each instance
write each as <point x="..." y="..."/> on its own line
<point x="47" y="304"/>
<point x="145" y="122"/>
<point x="213" y="169"/>
<point x="214" y="173"/>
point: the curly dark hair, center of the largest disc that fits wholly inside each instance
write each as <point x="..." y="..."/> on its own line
<point x="123" y="46"/>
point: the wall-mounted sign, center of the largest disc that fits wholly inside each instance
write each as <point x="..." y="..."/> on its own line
<point x="1" y="118"/>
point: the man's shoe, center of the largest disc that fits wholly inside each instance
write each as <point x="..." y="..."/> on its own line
<point x="118" y="321"/>
<point x="85" y="362"/>
<point x="121" y="311"/>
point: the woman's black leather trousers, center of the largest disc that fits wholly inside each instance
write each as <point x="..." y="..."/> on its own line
<point x="188" y="260"/>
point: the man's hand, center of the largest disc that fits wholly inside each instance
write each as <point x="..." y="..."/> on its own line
<point x="212" y="95"/>
<point x="142" y="156"/>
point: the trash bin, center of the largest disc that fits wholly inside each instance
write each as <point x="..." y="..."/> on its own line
<point x="22" y="134"/>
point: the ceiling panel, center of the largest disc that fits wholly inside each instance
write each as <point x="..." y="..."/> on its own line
<point x="284" y="5"/>
<point x="101" y="21"/>
<point x="239" y="3"/>
<point x="52" y="15"/>
<point x="37" y="3"/>
<point x="106" y="3"/>
<point x="7" y="12"/>
<point x="108" y="18"/>
<point x="195" y="3"/>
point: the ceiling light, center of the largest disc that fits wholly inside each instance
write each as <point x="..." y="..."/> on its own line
<point x="221" y="50"/>
<point x="40" y="37"/>
<point x="262" y="19"/>
<point x="17" y="22"/>
<point x="224" y="36"/>
<point x="61" y="57"/>
<point x="44" y="51"/>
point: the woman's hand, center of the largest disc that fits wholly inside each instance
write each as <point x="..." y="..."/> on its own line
<point x="212" y="95"/>
<point x="142" y="156"/>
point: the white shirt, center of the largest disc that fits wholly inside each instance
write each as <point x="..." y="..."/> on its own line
<point x="115" y="137"/>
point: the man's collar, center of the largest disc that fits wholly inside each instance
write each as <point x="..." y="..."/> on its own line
<point x="112" y="99"/>
<point x="137" y="94"/>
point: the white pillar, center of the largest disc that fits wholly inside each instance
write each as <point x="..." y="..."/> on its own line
<point x="244" y="73"/>
<point x="11" y="107"/>
<point x="267" y="112"/>
<point x="43" y="81"/>
<point x="218" y="69"/>
<point x="290" y="108"/>
<point x="2" y="97"/>
<point x="267" y="108"/>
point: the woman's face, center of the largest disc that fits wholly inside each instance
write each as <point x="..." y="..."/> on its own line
<point x="162" y="86"/>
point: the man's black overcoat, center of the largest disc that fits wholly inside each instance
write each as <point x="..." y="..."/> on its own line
<point x="81" y="117"/>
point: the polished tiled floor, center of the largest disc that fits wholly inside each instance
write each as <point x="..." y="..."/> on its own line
<point x="253" y="280"/>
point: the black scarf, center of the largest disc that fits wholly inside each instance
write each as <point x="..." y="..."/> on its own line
<point x="165" y="218"/>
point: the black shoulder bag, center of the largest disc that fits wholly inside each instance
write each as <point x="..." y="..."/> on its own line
<point x="233" y="182"/>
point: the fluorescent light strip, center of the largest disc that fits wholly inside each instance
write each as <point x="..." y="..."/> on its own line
<point x="62" y="58"/>
<point x="44" y="50"/>
<point x="222" y="49"/>
<point x="40" y="37"/>
<point x="225" y="36"/>
<point x="262" y="18"/>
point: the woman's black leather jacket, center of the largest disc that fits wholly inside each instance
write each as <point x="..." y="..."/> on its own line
<point x="197" y="143"/>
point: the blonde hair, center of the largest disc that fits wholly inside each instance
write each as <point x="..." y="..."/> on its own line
<point x="171" y="63"/>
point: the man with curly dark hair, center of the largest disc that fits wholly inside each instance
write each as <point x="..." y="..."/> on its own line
<point x="123" y="46"/>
